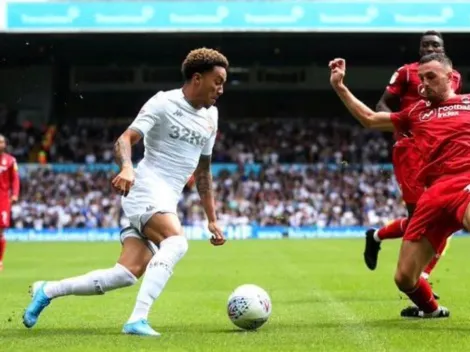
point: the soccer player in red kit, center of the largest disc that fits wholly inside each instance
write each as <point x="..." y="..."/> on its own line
<point x="406" y="89"/>
<point x="440" y="126"/>
<point x="9" y="192"/>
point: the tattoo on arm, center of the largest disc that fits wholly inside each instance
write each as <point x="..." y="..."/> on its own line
<point x="123" y="152"/>
<point x="203" y="176"/>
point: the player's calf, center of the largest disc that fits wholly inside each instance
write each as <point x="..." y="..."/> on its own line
<point x="395" y="229"/>
<point x="93" y="283"/>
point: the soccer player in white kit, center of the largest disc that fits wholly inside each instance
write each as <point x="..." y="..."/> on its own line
<point x="179" y="129"/>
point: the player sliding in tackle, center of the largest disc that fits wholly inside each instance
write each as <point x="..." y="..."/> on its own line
<point x="440" y="126"/>
<point x="179" y="129"/>
<point x="406" y="88"/>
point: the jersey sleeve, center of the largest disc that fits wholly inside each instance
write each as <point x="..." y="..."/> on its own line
<point x="207" y="150"/>
<point x="149" y="115"/>
<point x="401" y="120"/>
<point x="398" y="81"/>
<point x="14" y="179"/>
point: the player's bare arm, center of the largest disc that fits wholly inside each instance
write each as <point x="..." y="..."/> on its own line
<point x="361" y="112"/>
<point x="203" y="177"/>
<point x="123" y="182"/>
<point x="387" y="102"/>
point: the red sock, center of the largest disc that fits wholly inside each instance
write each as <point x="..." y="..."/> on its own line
<point x="431" y="265"/>
<point x="396" y="229"/>
<point x="3" y="245"/>
<point x="423" y="297"/>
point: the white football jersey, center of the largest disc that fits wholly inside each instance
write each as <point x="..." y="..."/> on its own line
<point x="175" y="135"/>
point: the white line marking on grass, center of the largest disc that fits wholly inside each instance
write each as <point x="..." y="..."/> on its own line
<point x="360" y="334"/>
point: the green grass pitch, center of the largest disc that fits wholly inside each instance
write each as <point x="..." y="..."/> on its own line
<point x="324" y="299"/>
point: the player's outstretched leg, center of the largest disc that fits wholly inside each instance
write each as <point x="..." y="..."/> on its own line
<point x="131" y="265"/>
<point x="396" y="229"/>
<point x="414" y="255"/>
<point x="164" y="230"/>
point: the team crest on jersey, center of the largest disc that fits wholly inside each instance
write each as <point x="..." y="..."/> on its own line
<point x="210" y="126"/>
<point x="466" y="99"/>
<point x="427" y="115"/>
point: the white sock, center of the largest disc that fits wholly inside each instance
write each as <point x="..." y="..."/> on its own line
<point x="376" y="236"/>
<point x="159" y="271"/>
<point x="94" y="283"/>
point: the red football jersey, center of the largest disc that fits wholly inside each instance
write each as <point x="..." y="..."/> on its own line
<point x="441" y="133"/>
<point x="9" y="177"/>
<point x="406" y="84"/>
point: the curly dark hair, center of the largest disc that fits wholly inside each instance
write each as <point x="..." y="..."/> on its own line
<point x="202" y="60"/>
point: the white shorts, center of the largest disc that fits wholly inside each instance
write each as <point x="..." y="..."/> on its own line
<point x="150" y="194"/>
<point x="131" y="232"/>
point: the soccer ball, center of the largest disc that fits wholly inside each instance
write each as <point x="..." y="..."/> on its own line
<point x="249" y="307"/>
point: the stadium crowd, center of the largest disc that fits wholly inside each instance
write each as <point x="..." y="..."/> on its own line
<point x="267" y="141"/>
<point x="275" y="196"/>
<point x="316" y="196"/>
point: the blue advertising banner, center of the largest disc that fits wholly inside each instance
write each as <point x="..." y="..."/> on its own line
<point x="238" y="16"/>
<point x="191" y="232"/>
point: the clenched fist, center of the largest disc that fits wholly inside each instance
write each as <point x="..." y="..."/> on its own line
<point x="338" y="71"/>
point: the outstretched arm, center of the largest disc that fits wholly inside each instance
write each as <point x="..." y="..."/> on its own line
<point x="365" y="115"/>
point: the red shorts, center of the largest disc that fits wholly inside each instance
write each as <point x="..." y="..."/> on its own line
<point x="407" y="163"/>
<point x="5" y="215"/>
<point x="440" y="211"/>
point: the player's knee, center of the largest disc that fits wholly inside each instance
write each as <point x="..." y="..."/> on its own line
<point x="177" y="244"/>
<point x="172" y="229"/>
<point x="136" y="269"/>
<point x="405" y="280"/>
<point x="124" y="277"/>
